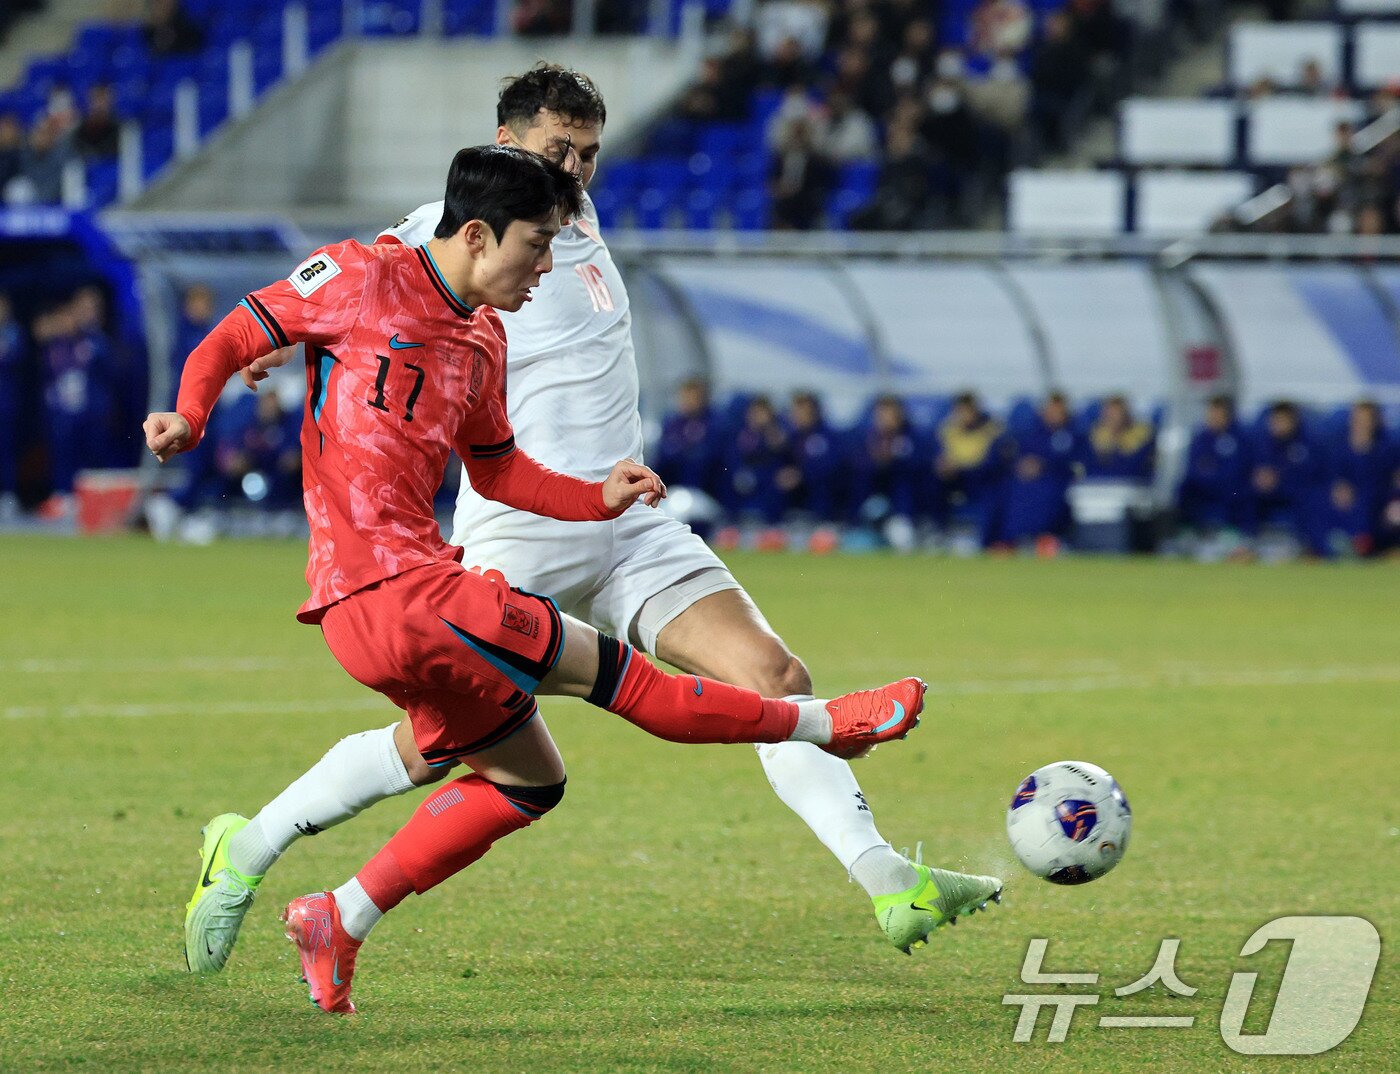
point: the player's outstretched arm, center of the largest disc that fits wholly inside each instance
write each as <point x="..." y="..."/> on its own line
<point x="233" y="343"/>
<point x="506" y="474"/>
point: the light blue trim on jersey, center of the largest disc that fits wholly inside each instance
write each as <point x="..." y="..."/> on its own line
<point x="326" y="364"/>
<point x="443" y="279"/>
<point x="266" y="330"/>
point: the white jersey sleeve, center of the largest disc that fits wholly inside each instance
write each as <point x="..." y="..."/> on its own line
<point x="416" y="228"/>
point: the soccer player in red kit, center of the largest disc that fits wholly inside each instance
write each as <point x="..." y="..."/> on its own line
<point x="405" y="363"/>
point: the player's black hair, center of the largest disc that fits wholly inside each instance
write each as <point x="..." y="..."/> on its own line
<point x="501" y="183"/>
<point x="571" y="94"/>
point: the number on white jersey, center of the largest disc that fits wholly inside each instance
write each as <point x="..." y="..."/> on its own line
<point x="598" y="293"/>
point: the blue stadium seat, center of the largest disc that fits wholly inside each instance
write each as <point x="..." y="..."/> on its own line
<point x="700" y="208"/>
<point x="607" y="204"/>
<point x="101" y="182"/>
<point x="718" y="140"/>
<point x="752" y="209"/>
<point x="391" y="18"/>
<point x="470" y="17"/>
<point x="157" y="147"/>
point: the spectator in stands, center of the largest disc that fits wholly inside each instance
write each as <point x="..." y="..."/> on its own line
<point x="11" y="150"/>
<point x="12" y="359"/>
<point x="1098" y="25"/>
<point x="169" y="31"/>
<point x="970" y="463"/>
<point x="886" y="464"/>
<point x="1214" y="493"/>
<point x="1311" y="81"/>
<point x="1120" y="446"/>
<point x="1049" y="456"/>
<point x="948" y="125"/>
<point x="43" y="161"/>
<point x="742" y="66"/>
<point x="812" y="481"/>
<point x="687" y="454"/>
<point x="1359" y="470"/>
<point x="62" y="107"/>
<point x="784" y="26"/>
<point x="197" y="315"/>
<point x="860" y="78"/>
<point x="795" y="106"/>
<point x="715" y="97"/>
<point x="913" y="64"/>
<point x="1000" y="28"/>
<point x="851" y="135"/>
<point x="1287" y="478"/>
<point x="89" y="305"/>
<point x="77" y="400"/>
<point x="99" y="131"/>
<point x="904" y="195"/>
<point x="1388" y="533"/>
<point x="1060" y="69"/>
<point x="262" y="458"/>
<point x="757" y="455"/>
<point x="787" y="66"/>
<point x="1002" y="95"/>
<point x="801" y="179"/>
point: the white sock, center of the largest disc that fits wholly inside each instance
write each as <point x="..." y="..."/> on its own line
<point x="354" y="774"/>
<point x="822" y="790"/>
<point x="358" y="914"/>
<point x="813" y="721"/>
<point x="883" y="870"/>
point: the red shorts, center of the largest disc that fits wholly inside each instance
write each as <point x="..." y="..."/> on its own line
<point x="459" y="650"/>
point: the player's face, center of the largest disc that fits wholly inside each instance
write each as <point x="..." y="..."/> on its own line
<point x="514" y="265"/>
<point x="573" y="143"/>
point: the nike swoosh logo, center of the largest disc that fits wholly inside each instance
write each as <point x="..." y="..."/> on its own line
<point x="893" y="721"/>
<point x="205" y="882"/>
<point x="335" y="974"/>
<point x="399" y="345"/>
<point x="699" y="689"/>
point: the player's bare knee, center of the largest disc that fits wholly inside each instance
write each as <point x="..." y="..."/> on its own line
<point x="421" y="773"/>
<point x="777" y="673"/>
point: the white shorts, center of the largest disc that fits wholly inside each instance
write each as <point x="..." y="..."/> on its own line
<point x="629" y="577"/>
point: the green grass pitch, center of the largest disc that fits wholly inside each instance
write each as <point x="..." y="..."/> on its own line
<point x="672" y="915"/>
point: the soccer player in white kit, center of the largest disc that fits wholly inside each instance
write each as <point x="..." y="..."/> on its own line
<point x="573" y="401"/>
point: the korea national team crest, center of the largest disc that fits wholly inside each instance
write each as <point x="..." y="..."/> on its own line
<point x="312" y="274"/>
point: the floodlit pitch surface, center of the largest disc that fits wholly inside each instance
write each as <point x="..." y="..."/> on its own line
<point x="672" y="914"/>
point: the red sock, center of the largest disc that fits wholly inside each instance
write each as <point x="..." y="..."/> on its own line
<point x="684" y="708"/>
<point x="454" y="826"/>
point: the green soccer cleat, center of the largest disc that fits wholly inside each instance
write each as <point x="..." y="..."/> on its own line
<point x="939" y="898"/>
<point x="220" y="899"/>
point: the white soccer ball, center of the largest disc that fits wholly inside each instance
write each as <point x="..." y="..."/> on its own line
<point x="1069" y="822"/>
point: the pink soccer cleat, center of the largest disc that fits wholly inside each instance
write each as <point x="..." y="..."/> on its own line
<point x="863" y="720"/>
<point x="327" y="951"/>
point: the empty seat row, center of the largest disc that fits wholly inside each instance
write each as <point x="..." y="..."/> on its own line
<point x="1281" y="52"/>
<point x="1269" y="132"/>
<point x="1109" y="202"/>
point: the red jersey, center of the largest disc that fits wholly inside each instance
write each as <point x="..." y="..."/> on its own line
<point x="400" y="372"/>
